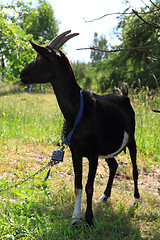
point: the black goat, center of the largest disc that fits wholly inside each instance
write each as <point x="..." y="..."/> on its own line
<point x="106" y="127"/>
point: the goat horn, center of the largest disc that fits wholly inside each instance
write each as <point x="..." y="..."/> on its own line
<point x="55" y="41"/>
<point x="65" y="39"/>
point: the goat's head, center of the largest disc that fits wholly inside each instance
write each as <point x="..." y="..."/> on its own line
<point x="48" y="61"/>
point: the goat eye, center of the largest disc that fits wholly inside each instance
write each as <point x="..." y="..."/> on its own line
<point x="38" y="57"/>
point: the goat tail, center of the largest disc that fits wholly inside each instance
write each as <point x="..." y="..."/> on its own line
<point x="124" y="88"/>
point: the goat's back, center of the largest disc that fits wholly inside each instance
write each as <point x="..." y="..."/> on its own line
<point x="121" y="101"/>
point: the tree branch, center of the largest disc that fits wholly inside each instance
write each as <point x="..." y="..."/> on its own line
<point x="120" y="49"/>
<point x="118" y="13"/>
<point x="151" y="24"/>
<point x="154" y="4"/>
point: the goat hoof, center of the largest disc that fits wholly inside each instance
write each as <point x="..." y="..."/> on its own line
<point x="104" y="198"/>
<point x="89" y="219"/>
<point x="136" y="201"/>
<point x="89" y="222"/>
<point x="74" y="222"/>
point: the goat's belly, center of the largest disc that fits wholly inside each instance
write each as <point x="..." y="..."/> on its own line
<point x="124" y="143"/>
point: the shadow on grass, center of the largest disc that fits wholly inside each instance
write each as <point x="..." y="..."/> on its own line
<point x="116" y="223"/>
<point x="108" y="224"/>
<point x="49" y="218"/>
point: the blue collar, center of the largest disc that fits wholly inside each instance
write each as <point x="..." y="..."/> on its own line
<point x="78" y="118"/>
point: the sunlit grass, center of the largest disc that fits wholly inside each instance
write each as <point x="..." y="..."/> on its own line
<point x="30" y="117"/>
<point x="147" y="124"/>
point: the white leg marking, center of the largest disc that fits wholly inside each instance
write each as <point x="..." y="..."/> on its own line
<point x="136" y="200"/>
<point x="77" y="207"/>
<point x="103" y="197"/>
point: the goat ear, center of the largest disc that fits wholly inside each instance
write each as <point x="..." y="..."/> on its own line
<point x="39" y="49"/>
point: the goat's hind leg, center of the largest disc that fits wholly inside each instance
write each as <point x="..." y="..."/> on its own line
<point x="133" y="153"/>
<point x="113" y="165"/>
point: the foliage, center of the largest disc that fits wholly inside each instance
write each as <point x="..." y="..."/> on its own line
<point x="140" y="64"/>
<point x="80" y="70"/>
<point x="98" y="77"/>
<point x="20" y="22"/>
<point x="15" y="51"/>
<point x="136" y="67"/>
<point x="100" y="43"/>
<point x="38" y="21"/>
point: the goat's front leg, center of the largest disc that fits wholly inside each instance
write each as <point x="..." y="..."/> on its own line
<point x="89" y="189"/>
<point x="77" y="164"/>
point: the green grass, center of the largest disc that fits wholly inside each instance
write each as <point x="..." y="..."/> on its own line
<point x="29" y="117"/>
<point x="30" y="125"/>
<point x="147" y="124"/>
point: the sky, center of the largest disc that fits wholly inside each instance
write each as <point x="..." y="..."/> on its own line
<point x="72" y="15"/>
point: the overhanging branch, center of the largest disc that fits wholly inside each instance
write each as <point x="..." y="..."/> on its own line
<point x="149" y="23"/>
<point x="121" y="13"/>
<point x="120" y="49"/>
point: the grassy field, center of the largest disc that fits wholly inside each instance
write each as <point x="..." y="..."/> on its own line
<point x="30" y="125"/>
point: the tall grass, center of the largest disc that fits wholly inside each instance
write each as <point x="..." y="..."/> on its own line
<point x="30" y="125"/>
<point x="31" y="117"/>
<point x="147" y="124"/>
<point x="37" y="118"/>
